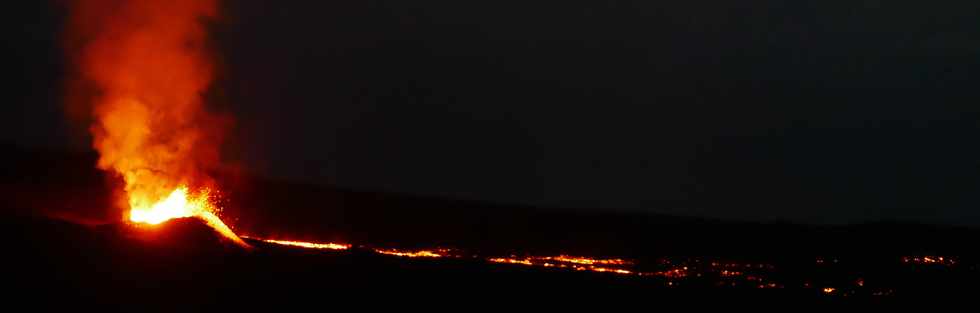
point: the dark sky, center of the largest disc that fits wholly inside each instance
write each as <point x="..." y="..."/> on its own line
<point x="810" y="111"/>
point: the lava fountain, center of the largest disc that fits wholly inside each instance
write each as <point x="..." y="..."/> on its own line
<point x="140" y="70"/>
<point x="179" y="204"/>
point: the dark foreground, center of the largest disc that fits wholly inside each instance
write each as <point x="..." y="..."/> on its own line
<point x="182" y="265"/>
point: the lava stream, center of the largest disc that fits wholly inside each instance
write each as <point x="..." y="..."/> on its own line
<point x="303" y="244"/>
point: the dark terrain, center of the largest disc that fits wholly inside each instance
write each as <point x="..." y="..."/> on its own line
<point x="63" y="250"/>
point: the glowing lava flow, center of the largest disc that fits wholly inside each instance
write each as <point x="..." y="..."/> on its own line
<point x="178" y="205"/>
<point x="571" y="262"/>
<point x="303" y="244"/>
<point x="414" y="254"/>
<point x="616" y="266"/>
<point x="585" y="261"/>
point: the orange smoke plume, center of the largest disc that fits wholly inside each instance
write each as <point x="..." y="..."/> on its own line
<point x="148" y="65"/>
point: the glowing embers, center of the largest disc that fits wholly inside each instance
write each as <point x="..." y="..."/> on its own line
<point x="512" y="261"/>
<point x="616" y="266"/>
<point x="676" y="273"/>
<point x="434" y="253"/>
<point x="929" y="260"/>
<point x="727" y="273"/>
<point x="304" y="244"/>
<point x="177" y="205"/>
<point x="585" y="260"/>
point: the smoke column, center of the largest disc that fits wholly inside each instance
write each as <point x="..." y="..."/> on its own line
<point x="142" y="67"/>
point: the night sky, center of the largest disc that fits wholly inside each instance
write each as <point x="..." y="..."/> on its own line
<point x="808" y="111"/>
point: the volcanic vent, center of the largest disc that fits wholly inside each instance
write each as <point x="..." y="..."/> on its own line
<point x="142" y="67"/>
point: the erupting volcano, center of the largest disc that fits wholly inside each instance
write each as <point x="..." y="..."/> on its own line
<point x="179" y="204"/>
<point x="236" y="154"/>
<point x="142" y="68"/>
